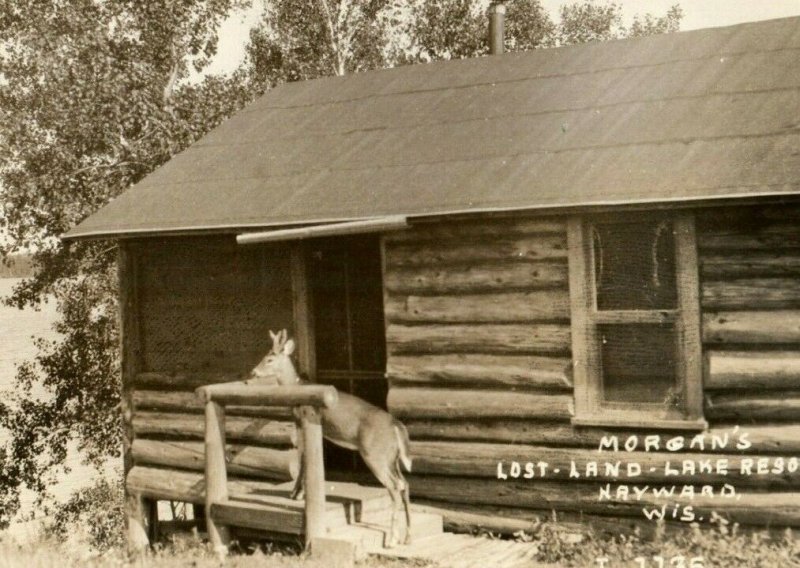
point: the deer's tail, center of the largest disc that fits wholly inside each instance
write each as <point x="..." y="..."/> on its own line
<point x="402" y="445"/>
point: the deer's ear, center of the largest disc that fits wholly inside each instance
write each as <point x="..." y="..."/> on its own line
<point x="272" y="335"/>
<point x="288" y="349"/>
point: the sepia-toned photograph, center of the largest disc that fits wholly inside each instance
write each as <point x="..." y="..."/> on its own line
<point x="399" y="283"/>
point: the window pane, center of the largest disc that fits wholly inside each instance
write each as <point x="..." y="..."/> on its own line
<point x="634" y="266"/>
<point x="638" y="363"/>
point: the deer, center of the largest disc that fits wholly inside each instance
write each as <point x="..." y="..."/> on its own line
<point x="353" y="424"/>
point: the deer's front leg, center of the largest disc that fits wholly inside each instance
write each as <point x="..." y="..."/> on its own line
<point x="298" y="490"/>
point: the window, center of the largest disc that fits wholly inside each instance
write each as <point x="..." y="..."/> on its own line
<point x="636" y="321"/>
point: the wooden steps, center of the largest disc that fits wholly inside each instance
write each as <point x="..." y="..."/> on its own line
<point x="353" y="513"/>
<point x="369" y="536"/>
<point x="361" y="516"/>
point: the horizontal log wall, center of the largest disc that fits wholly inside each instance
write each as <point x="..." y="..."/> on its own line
<point x="478" y="333"/>
<point x="480" y="371"/>
<point x="477" y="305"/>
<point x="750" y="288"/>
<point x="205" y="310"/>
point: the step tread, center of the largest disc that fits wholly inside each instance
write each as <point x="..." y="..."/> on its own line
<point x="370" y="536"/>
<point x="259" y="516"/>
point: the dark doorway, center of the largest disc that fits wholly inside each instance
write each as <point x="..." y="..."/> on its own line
<point x="347" y="298"/>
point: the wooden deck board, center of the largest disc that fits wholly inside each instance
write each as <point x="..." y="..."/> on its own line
<point x="450" y="550"/>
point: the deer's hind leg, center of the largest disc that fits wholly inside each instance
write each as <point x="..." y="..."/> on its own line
<point x="382" y="469"/>
<point x="406" y="501"/>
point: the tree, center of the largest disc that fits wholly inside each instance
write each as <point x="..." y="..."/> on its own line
<point x="454" y="29"/>
<point x="92" y="98"/>
<point x="305" y="39"/>
<point x="590" y="21"/>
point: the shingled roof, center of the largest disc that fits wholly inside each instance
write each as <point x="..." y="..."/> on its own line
<point x="701" y="115"/>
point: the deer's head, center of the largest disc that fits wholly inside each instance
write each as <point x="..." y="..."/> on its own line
<point x="277" y="366"/>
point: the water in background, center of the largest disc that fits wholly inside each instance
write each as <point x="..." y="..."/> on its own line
<point x="16" y="345"/>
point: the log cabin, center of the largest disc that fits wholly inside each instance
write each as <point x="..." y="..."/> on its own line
<point x="526" y="257"/>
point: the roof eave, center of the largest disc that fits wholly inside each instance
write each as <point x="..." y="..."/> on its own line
<point x="557" y="209"/>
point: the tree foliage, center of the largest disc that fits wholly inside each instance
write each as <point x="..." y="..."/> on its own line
<point x="305" y="39"/>
<point x="454" y="29"/>
<point x="98" y="510"/>
<point x="92" y="100"/>
<point x="94" y="96"/>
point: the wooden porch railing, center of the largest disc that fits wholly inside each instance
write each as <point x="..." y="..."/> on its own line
<point x="310" y="399"/>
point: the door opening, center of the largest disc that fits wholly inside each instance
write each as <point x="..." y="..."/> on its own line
<point x="346" y="287"/>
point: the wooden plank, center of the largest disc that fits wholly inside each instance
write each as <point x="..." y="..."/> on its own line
<point x="481" y="277"/>
<point x="749" y="508"/>
<point x="475" y="369"/>
<point x="377" y="225"/>
<point x="177" y="401"/>
<point x="268" y="463"/>
<point x="313" y="473"/>
<point x="303" y="313"/>
<point x="749" y="406"/>
<point x="767" y="237"/>
<point x="752" y="370"/>
<point x="137" y="508"/>
<point x="471" y="459"/>
<point x="690" y="354"/>
<point x="261" y="517"/>
<point x="459" y="517"/>
<point x="537" y="247"/>
<point x="758" y="327"/>
<point x="238" y="428"/>
<point x="583" y="332"/>
<point x="474" y="229"/>
<point x="764" y="439"/>
<point x="448" y="403"/>
<point x="189" y="486"/>
<point x="212" y="461"/>
<point x="486" y="338"/>
<point x="321" y="396"/>
<point x="605" y="317"/>
<point x="514" y="307"/>
<point x="752" y="264"/>
<point x="184" y="381"/>
<point x="752" y="294"/>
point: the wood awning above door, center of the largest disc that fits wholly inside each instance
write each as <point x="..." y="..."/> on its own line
<point x="376" y="225"/>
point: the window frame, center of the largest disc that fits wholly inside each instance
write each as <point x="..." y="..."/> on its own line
<point x="590" y="408"/>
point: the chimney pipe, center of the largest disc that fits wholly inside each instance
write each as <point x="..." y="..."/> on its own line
<point x="497" y="23"/>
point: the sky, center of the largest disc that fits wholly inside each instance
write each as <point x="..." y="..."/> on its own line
<point x="697" y="14"/>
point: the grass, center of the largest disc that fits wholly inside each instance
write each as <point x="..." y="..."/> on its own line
<point x="724" y="545"/>
<point x="55" y="557"/>
<point x="182" y="552"/>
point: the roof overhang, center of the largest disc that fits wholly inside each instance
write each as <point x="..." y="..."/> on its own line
<point x="378" y="225"/>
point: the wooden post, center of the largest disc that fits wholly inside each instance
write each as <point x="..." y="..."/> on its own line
<point x="688" y="325"/>
<point x="139" y="518"/>
<point x="216" y="474"/>
<point x="303" y="313"/>
<point x="314" y="473"/>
